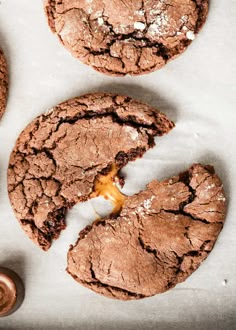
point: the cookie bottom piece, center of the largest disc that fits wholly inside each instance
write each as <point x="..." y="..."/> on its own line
<point x="161" y="237"/>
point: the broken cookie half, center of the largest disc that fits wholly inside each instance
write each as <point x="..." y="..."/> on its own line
<point x="58" y="159"/>
<point x="3" y="83"/>
<point x="160" y="237"/>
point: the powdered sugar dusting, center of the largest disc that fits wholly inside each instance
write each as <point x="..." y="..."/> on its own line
<point x="98" y="14"/>
<point x="221" y="198"/>
<point x="132" y="132"/>
<point x="147" y="203"/>
<point x="159" y="25"/>
<point x="184" y="19"/>
<point x="211" y="186"/>
<point x="145" y="206"/>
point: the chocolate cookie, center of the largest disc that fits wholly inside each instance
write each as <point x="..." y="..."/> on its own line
<point x="3" y="83"/>
<point x="119" y="37"/>
<point x="160" y="237"/>
<point x="58" y="158"/>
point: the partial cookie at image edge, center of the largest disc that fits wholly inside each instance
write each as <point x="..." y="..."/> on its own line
<point x="149" y="36"/>
<point x="3" y="83"/>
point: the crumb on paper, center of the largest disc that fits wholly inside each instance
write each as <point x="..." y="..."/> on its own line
<point x="224" y="282"/>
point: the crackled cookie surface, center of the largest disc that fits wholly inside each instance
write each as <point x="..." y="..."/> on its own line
<point x="58" y="158"/>
<point x="126" y="37"/>
<point x="3" y="83"/>
<point x="160" y="237"/>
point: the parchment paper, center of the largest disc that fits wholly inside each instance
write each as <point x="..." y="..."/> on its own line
<point x="198" y="92"/>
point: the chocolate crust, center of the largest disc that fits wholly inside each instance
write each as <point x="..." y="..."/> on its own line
<point x="161" y="237"/>
<point x="3" y="83"/>
<point x="58" y="157"/>
<point x="126" y="37"/>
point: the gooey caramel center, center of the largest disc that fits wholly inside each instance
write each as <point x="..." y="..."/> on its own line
<point x="105" y="186"/>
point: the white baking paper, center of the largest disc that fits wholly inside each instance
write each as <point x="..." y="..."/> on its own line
<point x="197" y="91"/>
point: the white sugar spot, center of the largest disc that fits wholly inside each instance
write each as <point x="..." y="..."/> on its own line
<point x="184" y="18"/>
<point x="221" y="198"/>
<point x="140" y="12"/>
<point x="190" y="35"/>
<point x="140" y="209"/>
<point x="139" y="26"/>
<point x="98" y="14"/>
<point x="147" y="203"/>
<point x="114" y="54"/>
<point x="120" y="29"/>
<point x="132" y="131"/>
<point x="145" y="206"/>
<point x="159" y="25"/>
<point x="211" y="186"/>
<point x="100" y="21"/>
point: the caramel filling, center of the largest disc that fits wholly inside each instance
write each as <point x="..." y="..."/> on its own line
<point x="105" y="186"/>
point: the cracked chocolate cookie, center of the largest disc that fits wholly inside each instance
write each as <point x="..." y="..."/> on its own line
<point x="59" y="157"/>
<point x="160" y="237"/>
<point x="3" y="83"/>
<point x="120" y="37"/>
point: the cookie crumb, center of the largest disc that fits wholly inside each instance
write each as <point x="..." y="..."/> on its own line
<point x="224" y="282"/>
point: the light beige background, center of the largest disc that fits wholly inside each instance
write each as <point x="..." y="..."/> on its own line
<point x="198" y="91"/>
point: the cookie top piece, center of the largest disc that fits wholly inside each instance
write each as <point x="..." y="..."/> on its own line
<point x="160" y="238"/>
<point x="59" y="156"/>
<point x="3" y="83"/>
<point x="126" y="37"/>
